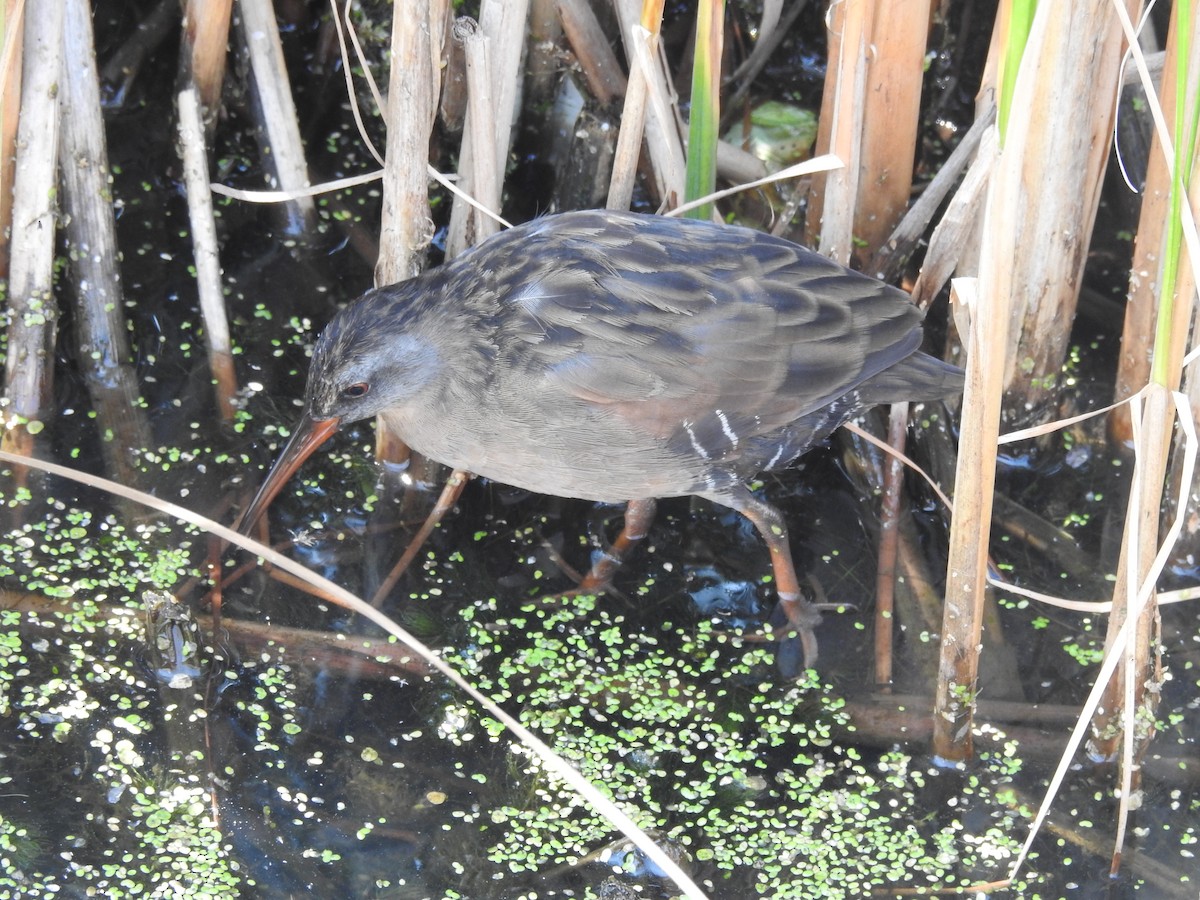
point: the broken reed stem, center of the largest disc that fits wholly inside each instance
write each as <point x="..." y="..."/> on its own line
<point x="954" y="233"/>
<point x="485" y="180"/>
<point x="406" y="224"/>
<point x="32" y="311"/>
<point x="205" y="250"/>
<point x="891" y="259"/>
<point x="970" y="527"/>
<point x="1072" y="65"/>
<point x="503" y="25"/>
<point x="633" y="115"/>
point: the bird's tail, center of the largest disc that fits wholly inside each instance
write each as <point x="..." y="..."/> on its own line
<point x="917" y="377"/>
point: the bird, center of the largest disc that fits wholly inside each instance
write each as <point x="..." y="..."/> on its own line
<point x="621" y="357"/>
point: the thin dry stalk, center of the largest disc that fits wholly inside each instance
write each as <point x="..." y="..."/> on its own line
<point x="91" y="232"/>
<point x="1137" y="337"/>
<point x="206" y="252"/>
<point x="205" y="37"/>
<point x="899" y="36"/>
<point x="833" y="199"/>
<point x="451" y="491"/>
<point x="889" y="535"/>
<point x="283" y="151"/>
<point x="1133" y="687"/>
<point x="10" y="107"/>
<point x="32" y="313"/>
<point x="956" y="227"/>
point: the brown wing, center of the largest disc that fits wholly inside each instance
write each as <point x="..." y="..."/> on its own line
<point x="702" y="335"/>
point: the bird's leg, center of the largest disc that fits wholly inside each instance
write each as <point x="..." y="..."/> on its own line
<point x="770" y="524"/>
<point x="451" y="491"/>
<point x="639" y="516"/>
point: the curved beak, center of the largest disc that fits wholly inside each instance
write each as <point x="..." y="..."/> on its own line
<point x="310" y="434"/>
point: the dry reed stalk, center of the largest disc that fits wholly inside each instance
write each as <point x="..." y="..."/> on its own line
<point x="11" y="27"/>
<point x="955" y="229"/>
<point x="414" y="82"/>
<point x="633" y="114"/>
<point x="205" y="38"/>
<point x="1141" y="665"/>
<point x="1075" y="65"/>
<point x="663" y="126"/>
<point x="590" y="45"/>
<point x="206" y="252"/>
<point x="503" y="26"/>
<point x="896" y="68"/>
<point x="338" y="595"/>
<point x="32" y="312"/>
<point x="962" y="618"/>
<point x="91" y="232"/>
<point x="889" y="538"/>
<point x="406" y="223"/>
<point x="833" y="198"/>
<point x="282" y="149"/>
<point x="1134" y="685"/>
<point x="1137" y="337"/>
<point x="1187" y="547"/>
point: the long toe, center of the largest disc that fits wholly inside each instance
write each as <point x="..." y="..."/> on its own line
<point x="804" y="618"/>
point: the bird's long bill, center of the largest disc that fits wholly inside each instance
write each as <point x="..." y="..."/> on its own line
<point x="310" y="434"/>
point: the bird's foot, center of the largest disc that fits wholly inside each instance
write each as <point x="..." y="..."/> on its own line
<point x="803" y="617"/>
<point x="795" y="618"/>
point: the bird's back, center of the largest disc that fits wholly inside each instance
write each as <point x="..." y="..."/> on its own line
<point x="616" y="356"/>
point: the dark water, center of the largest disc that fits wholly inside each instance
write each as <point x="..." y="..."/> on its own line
<point x="280" y="771"/>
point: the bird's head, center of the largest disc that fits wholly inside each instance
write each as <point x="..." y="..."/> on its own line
<point x="375" y="355"/>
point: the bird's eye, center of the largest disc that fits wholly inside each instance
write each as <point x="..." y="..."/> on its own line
<point x="356" y="390"/>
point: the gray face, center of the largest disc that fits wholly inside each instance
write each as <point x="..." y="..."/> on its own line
<point x="359" y="368"/>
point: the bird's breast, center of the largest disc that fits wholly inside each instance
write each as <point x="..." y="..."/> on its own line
<point x="551" y="445"/>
